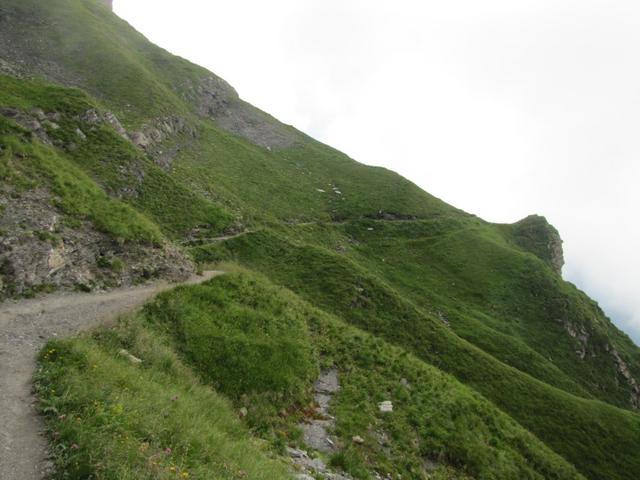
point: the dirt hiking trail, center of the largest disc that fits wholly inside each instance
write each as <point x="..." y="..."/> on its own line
<point x="25" y="326"/>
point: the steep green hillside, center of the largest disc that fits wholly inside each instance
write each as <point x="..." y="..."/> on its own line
<point x="109" y="419"/>
<point x="257" y="165"/>
<point x="120" y="162"/>
<point x="364" y="297"/>
<point x="436" y="420"/>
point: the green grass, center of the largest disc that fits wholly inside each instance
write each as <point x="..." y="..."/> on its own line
<point x="125" y="414"/>
<point x="26" y="165"/>
<point x="110" y="419"/>
<point x="241" y="339"/>
<point x="112" y="162"/>
<point x="401" y="285"/>
<point x="589" y="430"/>
<point x="285" y="184"/>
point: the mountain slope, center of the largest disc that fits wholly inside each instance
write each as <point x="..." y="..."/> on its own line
<point x="436" y="421"/>
<point x="78" y="43"/>
<point x="121" y="162"/>
<point x="363" y="298"/>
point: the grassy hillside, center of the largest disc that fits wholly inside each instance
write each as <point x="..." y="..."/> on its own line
<point x="589" y="429"/>
<point x="25" y="165"/>
<point x="101" y="153"/>
<point x="110" y="419"/>
<point x="388" y="283"/>
<point x="435" y="418"/>
<point x="81" y="44"/>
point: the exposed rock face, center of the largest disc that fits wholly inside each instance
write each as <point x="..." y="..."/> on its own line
<point x="163" y="138"/>
<point x="217" y="100"/>
<point x="94" y="117"/>
<point x="581" y="335"/>
<point x="108" y="3"/>
<point x="539" y="237"/>
<point x="39" y="252"/>
<point x="316" y="430"/>
<point x="586" y="347"/>
<point x="623" y="369"/>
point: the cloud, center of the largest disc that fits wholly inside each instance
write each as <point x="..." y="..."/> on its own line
<point x="501" y="108"/>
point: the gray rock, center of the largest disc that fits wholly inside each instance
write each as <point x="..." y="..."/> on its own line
<point x="112" y="120"/>
<point x="32" y="125"/>
<point x="51" y="125"/>
<point x="54" y="116"/>
<point x="132" y="359"/>
<point x="81" y="134"/>
<point x="91" y="117"/>
<point x="316" y="430"/>
<point x="217" y="100"/>
<point x="39" y="114"/>
<point x="316" y="436"/>
<point x="94" y="117"/>
<point x="327" y="382"/>
<point x="68" y="256"/>
<point x="140" y="139"/>
<point x="296" y="453"/>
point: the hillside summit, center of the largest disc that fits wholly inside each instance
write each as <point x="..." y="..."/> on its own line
<point x="363" y="329"/>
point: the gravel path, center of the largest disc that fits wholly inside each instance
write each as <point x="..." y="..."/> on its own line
<point x="24" y="328"/>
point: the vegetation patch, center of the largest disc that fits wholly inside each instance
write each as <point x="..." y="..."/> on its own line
<point x="108" y="418"/>
<point x="240" y="338"/>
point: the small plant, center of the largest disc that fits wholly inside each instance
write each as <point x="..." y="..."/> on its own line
<point x="83" y="287"/>
<point x="112" y="263"/>
<point x="47" y="236"/>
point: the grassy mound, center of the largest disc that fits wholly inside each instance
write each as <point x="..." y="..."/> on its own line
<point x="240" y="338"/>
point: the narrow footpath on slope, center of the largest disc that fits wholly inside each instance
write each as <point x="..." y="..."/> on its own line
<point x="25" y="326"/>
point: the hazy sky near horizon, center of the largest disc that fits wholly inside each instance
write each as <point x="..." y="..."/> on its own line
<point x="502" y="108"/>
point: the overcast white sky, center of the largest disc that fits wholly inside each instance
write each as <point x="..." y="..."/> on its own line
<point x="501" y="108"/>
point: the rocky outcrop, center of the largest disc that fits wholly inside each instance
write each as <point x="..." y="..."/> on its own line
<point x="152" y="136"/>
<point x="582" y="337"/>
<point x="585" y="347"/>
<point x="539" y="237"/>
<point x="215" y="99"/>
<point x="39" y="251"/>
<point x="36" y="122"/>
<point x="108" y="3"/>
<point x="623" y="370"/>
<point x="313" y="468"/>
<point x="163" y="138"/>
